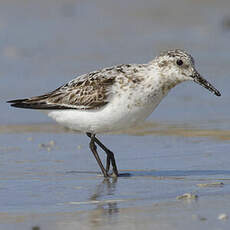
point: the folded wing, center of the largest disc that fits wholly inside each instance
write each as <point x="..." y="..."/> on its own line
<point x="89" y="91"/>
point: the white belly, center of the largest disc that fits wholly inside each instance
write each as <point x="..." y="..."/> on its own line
<point x="116" y="115"/>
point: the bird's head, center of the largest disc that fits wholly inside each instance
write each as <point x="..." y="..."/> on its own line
<point x="175" y="66"/>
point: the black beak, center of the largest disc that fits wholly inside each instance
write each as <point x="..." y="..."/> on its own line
<point x="201" y="81"/>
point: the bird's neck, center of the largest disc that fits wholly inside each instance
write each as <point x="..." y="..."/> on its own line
<point x="160" y="82"/>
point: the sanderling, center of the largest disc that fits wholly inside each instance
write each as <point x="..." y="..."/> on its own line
<point x="115" y="98"/>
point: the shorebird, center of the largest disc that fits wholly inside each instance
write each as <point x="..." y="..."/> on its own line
<point x="115" y="98"/>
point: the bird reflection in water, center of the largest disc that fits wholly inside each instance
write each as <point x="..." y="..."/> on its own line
<point x="106" y="210"/>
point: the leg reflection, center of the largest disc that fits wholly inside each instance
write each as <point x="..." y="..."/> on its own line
<point x="106" y="209"/>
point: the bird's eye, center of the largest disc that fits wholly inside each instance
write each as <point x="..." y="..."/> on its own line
<point x="179" y="62"/>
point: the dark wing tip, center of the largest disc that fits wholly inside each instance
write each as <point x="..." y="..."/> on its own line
<point x="27" y="104"/>
<point x="20" y="103"/>
<point x="16" y="101"/>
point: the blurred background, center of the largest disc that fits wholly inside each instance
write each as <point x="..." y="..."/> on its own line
<point x="46" y="43"/>
<point x="49" y="179"/>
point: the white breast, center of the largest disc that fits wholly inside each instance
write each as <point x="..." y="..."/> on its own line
<point x="120" y="113"/>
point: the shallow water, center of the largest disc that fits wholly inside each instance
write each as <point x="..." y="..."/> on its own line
<point x="48" y="177"/>
<point x="51" y="180"/>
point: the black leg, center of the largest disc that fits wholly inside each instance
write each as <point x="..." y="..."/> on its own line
<point x="93" y="148"/>
<point x="107" y="163"/>
<point x="110" y="156"/>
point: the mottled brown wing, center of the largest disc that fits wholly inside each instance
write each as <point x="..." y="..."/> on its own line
<point x="84" y="93"/>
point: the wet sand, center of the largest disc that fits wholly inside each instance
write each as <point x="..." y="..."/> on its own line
<point x="147" y="128"/>
<point x="165" y="215"/>
<point x="49" y="179"/>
